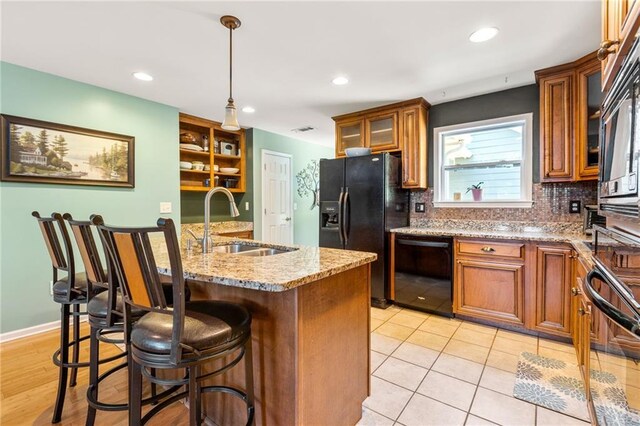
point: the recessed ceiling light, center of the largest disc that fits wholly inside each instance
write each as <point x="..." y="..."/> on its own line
<point x="340" y="81"/>
<point x="142" y="76"/>
<point x="249" y="109"/>
<point x="483" y="34"/>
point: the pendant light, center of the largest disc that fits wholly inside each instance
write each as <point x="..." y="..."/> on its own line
<point x="230" y="113"/>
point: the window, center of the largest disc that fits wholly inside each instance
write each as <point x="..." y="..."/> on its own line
<point x="495" y="152"/>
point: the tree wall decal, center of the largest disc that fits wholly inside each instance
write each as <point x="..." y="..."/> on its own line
<point x="309" y="182"/>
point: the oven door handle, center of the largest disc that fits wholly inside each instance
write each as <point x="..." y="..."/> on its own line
<point x="619" y="287"/>
<point x="629" y="324"/>
<point x="422" y="243"/>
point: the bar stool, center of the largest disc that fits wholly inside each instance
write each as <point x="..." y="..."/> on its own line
<point x="69" y="291"/>
<point x="187" y="336"/>
<point x="106" y="318"/>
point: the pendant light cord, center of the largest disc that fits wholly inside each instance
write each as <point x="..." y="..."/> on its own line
<point x="230" y="64"/>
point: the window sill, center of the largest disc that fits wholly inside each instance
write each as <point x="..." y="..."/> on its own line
<point x="484" y="204"/>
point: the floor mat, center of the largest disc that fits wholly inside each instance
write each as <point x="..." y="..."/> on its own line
<point x="551" y="383"/>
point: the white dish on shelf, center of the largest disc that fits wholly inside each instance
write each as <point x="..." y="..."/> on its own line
<point x="198" y="165"/>
<point x="230" y="170"/>
<point x="186" y="165"/>
<point x="191" y="147"/>
<point x="357" y="152"/>
<point x="216" y="168"/>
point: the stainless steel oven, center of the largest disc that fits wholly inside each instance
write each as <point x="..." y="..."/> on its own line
<point x="613" y="288"/>
<point x="620" y="144"/>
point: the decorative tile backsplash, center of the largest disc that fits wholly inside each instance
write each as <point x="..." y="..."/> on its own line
<point x="550" y="204"/>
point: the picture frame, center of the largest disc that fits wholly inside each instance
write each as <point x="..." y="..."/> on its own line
<point x="37" y="151"/>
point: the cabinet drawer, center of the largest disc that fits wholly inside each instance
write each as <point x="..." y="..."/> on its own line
<point x="490" y="249"/>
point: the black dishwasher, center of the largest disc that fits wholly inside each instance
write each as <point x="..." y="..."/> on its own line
<point x="423" y="273"/>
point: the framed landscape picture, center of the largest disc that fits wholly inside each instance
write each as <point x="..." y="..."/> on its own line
<point x="42" y="152"/>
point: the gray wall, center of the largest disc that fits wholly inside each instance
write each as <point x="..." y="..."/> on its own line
<point x="520" y="100"/>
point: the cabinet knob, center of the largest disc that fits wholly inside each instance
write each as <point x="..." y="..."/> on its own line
<point x="581" y="311"/>
<point x="488" y="249"/>
<point x="607" y="47"/>
<point x="575" y="291"/>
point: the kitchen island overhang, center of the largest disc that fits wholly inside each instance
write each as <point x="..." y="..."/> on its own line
<point x="311" y="320"/>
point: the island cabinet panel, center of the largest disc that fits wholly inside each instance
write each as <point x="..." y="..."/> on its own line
<point x="310" y="352"/>
<point x="552" y="289"/>
<point x="492" y="291"/>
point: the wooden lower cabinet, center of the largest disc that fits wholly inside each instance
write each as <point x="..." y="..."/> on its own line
<point x="523" y="284"/>
<point x="490" y="290"/>
<point x="489" y="281"/>
<point x="552" y="289"/>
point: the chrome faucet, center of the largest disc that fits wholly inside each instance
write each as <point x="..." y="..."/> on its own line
<point x="233" y="209"/>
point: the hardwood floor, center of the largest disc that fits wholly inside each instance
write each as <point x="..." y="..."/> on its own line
<point x="29" y="380"/>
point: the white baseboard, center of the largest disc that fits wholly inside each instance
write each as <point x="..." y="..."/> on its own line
<point x="30" y="331"/>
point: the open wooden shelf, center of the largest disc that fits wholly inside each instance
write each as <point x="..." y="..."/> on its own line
<point x="199" y="128"/>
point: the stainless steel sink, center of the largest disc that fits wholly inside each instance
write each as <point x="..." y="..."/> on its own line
<point x="233" y="248"/>
<point x="246" y="250"/>
<point x="261" y="252"/>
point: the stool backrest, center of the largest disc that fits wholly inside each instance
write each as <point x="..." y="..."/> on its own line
<point x="53" y="230"/>
<point x="130" y="251"/>
<point x="96" y="274"/>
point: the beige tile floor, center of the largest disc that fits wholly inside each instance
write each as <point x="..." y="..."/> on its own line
<point x="430" y="370"/>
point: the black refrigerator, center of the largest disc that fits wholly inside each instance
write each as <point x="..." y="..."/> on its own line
<point x="361" y="199"/>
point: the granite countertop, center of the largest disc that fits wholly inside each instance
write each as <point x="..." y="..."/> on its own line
<point x="570" y="233"/>
<point x="300" y="265"/>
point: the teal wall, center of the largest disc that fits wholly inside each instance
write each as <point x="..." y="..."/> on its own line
<point x="25" y="268"/>
<point x="305" y="221"/>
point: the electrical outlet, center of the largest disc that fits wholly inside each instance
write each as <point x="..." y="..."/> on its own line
<point x="420" y="208"/>
<point x="574" y="206"/>
<point x="165" y="207"/>
<point x="50" y="288"/>
<point x="295" y="206"/>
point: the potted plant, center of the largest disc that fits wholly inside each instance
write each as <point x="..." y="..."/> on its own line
<point x="476" y="191"/>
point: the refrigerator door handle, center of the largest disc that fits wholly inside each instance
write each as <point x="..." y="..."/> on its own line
<point x="346" y="216"/>
<point x="340" y="224"/>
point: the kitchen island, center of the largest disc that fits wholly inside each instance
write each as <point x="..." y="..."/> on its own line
<point x="310" y="328"/>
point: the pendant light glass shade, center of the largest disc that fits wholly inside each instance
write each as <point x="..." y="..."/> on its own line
<point x="230" y="117"/>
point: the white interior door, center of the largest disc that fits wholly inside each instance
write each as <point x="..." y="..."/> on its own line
<point x="277" y="202"/>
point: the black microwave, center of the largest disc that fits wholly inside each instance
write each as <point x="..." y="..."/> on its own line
<point x="620" y="142"/>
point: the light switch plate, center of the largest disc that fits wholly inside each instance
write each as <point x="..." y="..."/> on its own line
<point x="246" y="206"/>
<point x="165" y="207"/>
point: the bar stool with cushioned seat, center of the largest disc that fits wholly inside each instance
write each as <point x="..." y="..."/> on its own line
<point x="106" y="317"/>
<point x="69" y="291"/>
<point x="186" y="336"/>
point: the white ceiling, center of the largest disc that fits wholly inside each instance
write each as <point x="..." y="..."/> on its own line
<point x="286" y="53"/>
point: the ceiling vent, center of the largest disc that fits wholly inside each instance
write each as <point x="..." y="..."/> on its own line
<point x="303" y="129"/>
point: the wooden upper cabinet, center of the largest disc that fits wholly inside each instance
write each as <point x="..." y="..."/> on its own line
<point x="413" y="143"/>
<point x="570" y="98"/>
<point x="552" y="289"/>
<point x="349" y="134"/>
<point x="620" y="23"/>
<point x="556" y="128"/>
<point x="587" y="129"/>
<point x="399" y="128"/>
<point x="381" y="132"/>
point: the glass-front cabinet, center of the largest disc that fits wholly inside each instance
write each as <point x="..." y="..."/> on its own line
<point x="399" y="128"/>
<point x="382" y="132"/>
<point x="349" y="134"/>
<point x="589" y="79"/>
